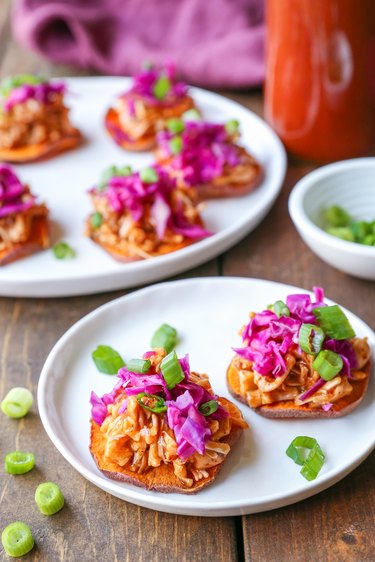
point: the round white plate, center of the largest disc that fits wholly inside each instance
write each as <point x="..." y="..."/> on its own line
<point x="207" y="313"/>
<point x="63" y="183"/>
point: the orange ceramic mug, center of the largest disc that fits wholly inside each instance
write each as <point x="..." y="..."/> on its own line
<point x="320" y="78"/>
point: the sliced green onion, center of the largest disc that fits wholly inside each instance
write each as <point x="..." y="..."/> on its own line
<point x="152" y="402"/>
<point x="18" y="462"/>
<point x="280" y="309"/>
<point x="333" y="322"/>
<point x="17" y="402"/>
<point x="360" y="230"/>
<point x="369" y="240"/>
<point x="175" y="126"/>
<point x="96" y="219"/>
<point x="312" y="461"/>
<point x="208" y="407"/>
<point x="11" y="82"/>
<point x="49" y="498"/>
<point x="63" y="251"/>
<point x="138" y="365"/>
<point x="171" y="370"/>
<point x="328" y="364"/>
<point x="149" y="175"/>
<point x="17" y="539"/>
<point x="342" y="232"/>
<point x="311" y="338"/>
<point x="161" y="87"/>
<point x="107" y="360"/>
<point x="111" y="172"/>
<point x="232" y="126"/>
<point x="336" y="216"/>
<point x="192" y="115"/>
<point x="164" y="337"/>
<point x="175" y="145"/>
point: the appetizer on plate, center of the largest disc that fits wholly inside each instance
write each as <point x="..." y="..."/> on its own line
<point x="163" y="429"/>
<point x="206" y="157"/>
<point x="34" y="122"/>
<point x="300" y="358"/>
<point x="23" y="222"/>
<point x="142" y="214"/>
<point x="137" y="115"/>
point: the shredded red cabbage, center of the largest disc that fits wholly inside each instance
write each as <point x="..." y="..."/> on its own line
<point x="191" y="428"/>
<point x="206" y="149"/>
<point x="12" y="193"/>
<point x="145" y="80"/>
<point x="130" y="193"/>
<point x="43" y="93"/>
<point x="314" y="388"/>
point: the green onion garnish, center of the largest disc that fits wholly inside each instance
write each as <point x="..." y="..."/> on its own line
<point x="49" y="498"/>
<point x="171" y="370"/>
<point x="63" y="251"/>
<point x="164" y="337"/>
<point x="17" y="402"/>
<point x="161" y="87"/>
<point x="342" y="232"/>
<point x="18" y="462"/>
<point x="333" y="322"/>
<point x="175" y="145"/>
<point x="328" y="364"/>
<point x="336" y="216"/>
<point x="192" y="115"/>
<point x="311" y="338"/>
<point x="107" y="360"/>
<point x="149" y="175"/>
<point x="11" y="82"/>
<point x="111" y="172"/>
<point x="96" y="219"/>
<point x="17" y="539"/>
<point x="312" y="462"/>
<point x="208" y="407"/>
<point x="152" y="402"/>
<point x="232" y="126"/>
<point x="280" y="309"/>
<point x="138" y="365"/>
<point x="175" y="126"/>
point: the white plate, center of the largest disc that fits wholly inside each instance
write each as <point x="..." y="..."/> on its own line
<point x="207" y="313"/>
<point x="63" y="183"/>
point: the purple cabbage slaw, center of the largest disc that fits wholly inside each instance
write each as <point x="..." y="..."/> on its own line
<point x="191" y="428"/>
<point x="145" y="80"/>
<point x="206" y="149"/>
<point x="268" y="338"/>
<point x="12" y="193"/>
<point x="130" y="193"/>
<point x="43" y="93"/>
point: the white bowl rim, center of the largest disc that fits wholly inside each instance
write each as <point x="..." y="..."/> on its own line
<point x="303" y="222"/>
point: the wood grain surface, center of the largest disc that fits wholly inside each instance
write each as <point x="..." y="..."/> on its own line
<point x="335" y="526"/>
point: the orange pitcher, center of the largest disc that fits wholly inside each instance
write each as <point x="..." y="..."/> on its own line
<point x="320" y="77"/>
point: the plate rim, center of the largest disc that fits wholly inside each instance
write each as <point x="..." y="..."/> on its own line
<point x="168" y="502"/>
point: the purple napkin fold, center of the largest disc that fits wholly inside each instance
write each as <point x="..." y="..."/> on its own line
<point x="212" y="42"/>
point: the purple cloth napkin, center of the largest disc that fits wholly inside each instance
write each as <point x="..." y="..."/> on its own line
<point x="212" y="42"/>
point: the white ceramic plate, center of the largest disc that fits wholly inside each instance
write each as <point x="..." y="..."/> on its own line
<point x="207" y="313"/>
<point x="63" y="183"/>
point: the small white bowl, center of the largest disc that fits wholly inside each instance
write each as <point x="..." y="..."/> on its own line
<point x="351" y="185"/>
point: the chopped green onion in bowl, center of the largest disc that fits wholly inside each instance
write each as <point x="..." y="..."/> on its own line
<point x="340" y="224"/>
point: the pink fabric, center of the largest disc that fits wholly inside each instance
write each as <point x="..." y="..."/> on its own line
<point x="212" y="42"/>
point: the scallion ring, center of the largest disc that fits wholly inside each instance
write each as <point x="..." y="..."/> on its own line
<point x="311" y="461"/>
<point x="208" y="408"/>
<point x="171" y="370"/>
<point x="161" y="87"/>
<point x="138" y="365"/>
<point x="164" y="337"/>
<point x="311" y="338"/>
<point x="107" y="360"/>
<point x="152" y="402"/>
<point x="18" y="462"/>
<point x="49" y="498"/>
<point x="175" y="126"/>
<point x="280" y="309"/>
<point x="17" y="539"/>
<point x="334" y="322"/>
<point x="149" y="175"/>
<point x="328" y="364"/>
<point x="17" y="402"/>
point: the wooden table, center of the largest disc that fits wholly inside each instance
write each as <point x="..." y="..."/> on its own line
<point x="335" y="526"/>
